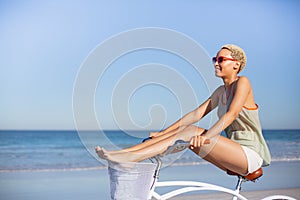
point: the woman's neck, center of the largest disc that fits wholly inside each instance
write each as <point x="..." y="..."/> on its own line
<point x="228" y="81"/>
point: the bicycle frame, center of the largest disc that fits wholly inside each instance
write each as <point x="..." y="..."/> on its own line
<point x="189" y="186"/>
<point x="121" y="179"/>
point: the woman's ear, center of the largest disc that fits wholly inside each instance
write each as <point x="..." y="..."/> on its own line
<point x="237" y="66"/>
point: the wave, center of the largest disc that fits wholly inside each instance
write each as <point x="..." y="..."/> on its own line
<point x="105" y="167"/>
<point x="205" y="163"/>
<point x="54" y="169"/>
<point x="285" y="159"/>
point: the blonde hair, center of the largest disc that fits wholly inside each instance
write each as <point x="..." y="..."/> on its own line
<point x="237" y="53"/>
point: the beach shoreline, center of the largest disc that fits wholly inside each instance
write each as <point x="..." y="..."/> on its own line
<point x="94" y="184"/>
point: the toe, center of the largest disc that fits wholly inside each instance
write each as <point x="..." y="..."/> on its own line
<point x="97" y="148"/>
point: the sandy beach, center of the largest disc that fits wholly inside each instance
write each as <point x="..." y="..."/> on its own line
<point x="279" y="178"/>
<point x="253" y="195"/>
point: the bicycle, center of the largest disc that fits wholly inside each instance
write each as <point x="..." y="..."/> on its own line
<point x="146" y="175"/>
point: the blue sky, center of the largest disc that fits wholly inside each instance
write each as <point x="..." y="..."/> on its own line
<point x="44" y="43"/>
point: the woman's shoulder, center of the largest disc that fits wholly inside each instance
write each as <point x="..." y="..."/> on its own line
<point x="220" y="90"/>
<point x="243" y="80"/>
<point x="243" y="84"/>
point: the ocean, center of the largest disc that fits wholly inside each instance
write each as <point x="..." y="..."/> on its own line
<point x="66" y="150"/>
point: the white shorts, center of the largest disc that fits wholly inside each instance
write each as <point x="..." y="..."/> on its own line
<point x="254" y="160"/>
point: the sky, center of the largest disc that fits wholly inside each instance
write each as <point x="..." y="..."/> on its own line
<point x="45" y="46"/>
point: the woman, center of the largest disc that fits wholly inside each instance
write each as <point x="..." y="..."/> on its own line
<point x="243" y="151"/>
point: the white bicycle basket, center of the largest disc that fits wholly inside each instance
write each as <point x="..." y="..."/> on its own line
<point x="131" y="181"/>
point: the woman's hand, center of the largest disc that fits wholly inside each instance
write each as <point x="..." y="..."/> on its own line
<point x="198" y="141"/>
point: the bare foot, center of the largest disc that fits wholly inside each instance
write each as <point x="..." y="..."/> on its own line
<point x="101" y="152"/>
<point x="118" y="157"/>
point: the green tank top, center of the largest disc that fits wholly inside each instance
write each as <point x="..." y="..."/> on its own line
<point x="246" y="129"/>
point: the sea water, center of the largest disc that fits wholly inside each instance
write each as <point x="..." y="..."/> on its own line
<point x="66" y="150"/>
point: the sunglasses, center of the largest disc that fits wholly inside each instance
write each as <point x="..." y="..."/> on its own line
<point x="221" y="59"/>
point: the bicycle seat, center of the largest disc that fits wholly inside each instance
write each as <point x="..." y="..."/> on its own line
<point x="250" y="177"/>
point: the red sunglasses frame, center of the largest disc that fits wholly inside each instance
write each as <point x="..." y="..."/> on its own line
<point x="215" y="59"/>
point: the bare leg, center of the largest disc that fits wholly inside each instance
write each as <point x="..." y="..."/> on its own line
<point x="150" y="149"/>
<point x="225" y="154"/>
<point x="147" y="143"/>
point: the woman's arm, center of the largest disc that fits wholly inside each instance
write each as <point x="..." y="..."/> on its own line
<point x="241" y="95"/>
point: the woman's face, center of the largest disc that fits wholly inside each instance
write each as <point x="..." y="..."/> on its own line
<point x="225" y="64"/>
